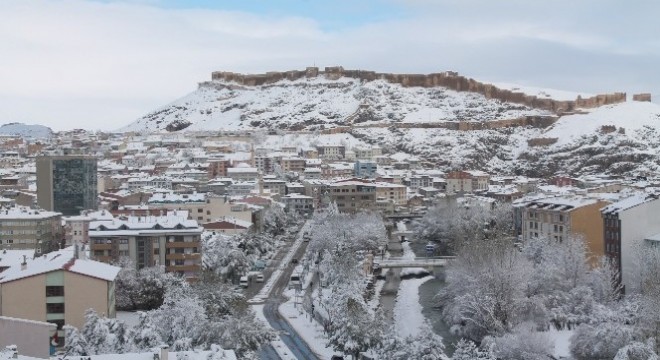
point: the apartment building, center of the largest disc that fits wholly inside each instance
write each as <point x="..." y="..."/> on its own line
<point x="626" y="226"/>
<point x="353" y="195"/>
<point x="365" y="169"/>
<point x="218" y="168"/>
<point x="202" y="208"/>
<point x="302" y="204"/>
<point x="24" y="228"/>
<point x="58" y="288"/>
<point x="331" y="152"/>
<point x="243" y="172"/>
<point x="292" y="164"/>
<point x="275" y="186"/>
<point x="171" y="240"/>
<point x="398" y="194"/>
<point x="559" y="217"/>
<point x="467" y="181"/>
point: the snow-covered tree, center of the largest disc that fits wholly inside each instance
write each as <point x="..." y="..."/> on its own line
<point x="75" y="343"/>
<point x="524" y="343"/>
<point x="142" y="289"/>
<point x="638" y="351"/>
<point x="144" y="335"/>
<point x="467" y="350"/>
<point x="180" y="319"/>
<point x="426" y="345"/>
<point x="354" y="328"/>
<point x="275" y="220"/>
<point x="599" y="342"/>
<point x="486" y="292"/>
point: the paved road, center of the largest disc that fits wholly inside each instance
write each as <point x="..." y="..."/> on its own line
<point x="296" y="344"/>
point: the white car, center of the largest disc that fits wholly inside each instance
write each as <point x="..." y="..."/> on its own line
<point x="244" y="281"/>
<point x="260" y="277"/>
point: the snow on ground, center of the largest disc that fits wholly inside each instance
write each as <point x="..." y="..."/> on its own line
<point x="631" y="116"/>
<point x="408" y="311"/>
<point x="279" y="346"/>
<point x="306" y="140"/>
<point x="543" y="93"/>
<point x="409" y="254"/>
<point x="562" y="341"/>
<point x="309" y="330"/>
<point x="130" y="318"/>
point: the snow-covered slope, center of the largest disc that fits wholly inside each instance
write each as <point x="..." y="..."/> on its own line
<point x="318" y="103"/>
<point x="26" y="131"/>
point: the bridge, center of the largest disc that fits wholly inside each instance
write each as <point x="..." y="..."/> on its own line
<point x="424" y="262"/>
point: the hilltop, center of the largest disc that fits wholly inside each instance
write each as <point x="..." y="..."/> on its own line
<point x="26" y="131"/>
<point x="444" y="118"/>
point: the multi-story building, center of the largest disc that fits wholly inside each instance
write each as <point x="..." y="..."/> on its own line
<point x="331" y="152"/>
<point x="559" y="217"/>
<point x="396" y="193"/>
<point x="275" y="186"/>
<point x="467" y="181"/>
<point x="200" y="207"/>
<point x="365" y="169"/>
<point x="66" y="184"/>
<point x="25" y="228"/>
<point x="171" y="240"/>
<point x="301" y="204"/>
<point x="58" y="288"/>
<point x="218" y="168"/>
<point x="419" y="181"/>
<point x="243" y="172"/>
<point x="626" y="224"/>
<point x="292" y="164"/>
<point x="353" y="195"/>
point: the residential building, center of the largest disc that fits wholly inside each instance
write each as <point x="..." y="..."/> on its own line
<point x="365" y="169"/>
<point x="171" y="240"/>
<point x="467" y="182"/>
<point x="292" y="164"/>
<point x="229" y="225"/>
<point x="275" y="186"/>
<point x="394" y="192"/>
<point x="331" y="152"/>
<point x="560" y="217"/>
<point x="58" y="288"/>
<point x="243" y="172"/>
<point x="301" y="204"/>
<point x="24" y="228"/>
<point x="66" y="184"/>
<point x="202" y="208"/>
<point x="626" y="224"/>
<point x="353" y="195"/>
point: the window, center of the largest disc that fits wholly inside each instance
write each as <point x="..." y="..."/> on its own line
<point x="561" y="218"/>
<point x="55" y="308"/>
<point x="123" y="241"/>
<point x="54" y="290"/>
<point x="123" y="252"/>
<point x="157" y="251"/>
<point x="98" y="252"/>
<point x="9" y="241"/>
<point x="200" y="210"/>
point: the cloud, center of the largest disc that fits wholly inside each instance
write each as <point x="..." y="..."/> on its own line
<point x="75" y="63"/>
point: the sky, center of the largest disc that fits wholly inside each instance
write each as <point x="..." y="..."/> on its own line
<point x="100" y="64"/>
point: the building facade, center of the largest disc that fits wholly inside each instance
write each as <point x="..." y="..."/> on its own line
<point x="24" y="228"/>
<point x="67" y="184"/>
<point x="170" y="240"/>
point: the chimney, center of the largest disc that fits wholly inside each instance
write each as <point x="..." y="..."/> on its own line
<point x="164" y="352"/>
<point x="24" y="263"/>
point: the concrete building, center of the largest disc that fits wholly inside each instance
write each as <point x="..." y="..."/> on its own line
<point x="559" y="217"/>
<point x="292" y="164"/>
<point x="331" y="152"/>
<point x="365" y="169"/>
<point x="626" y="224"/>
<point x="229" y="225"/>
<point x="25" y="228"/>
<point x="243" y="172"/>
<point x="353" y="195"/>
<point x="301" y="204"/>
<point x="67" y="184"/>
<point x="30" y="336"/>
<point x="171" y="240"/>
<point x="201" y="207"/>
<point x="398" y="194"/>
<point x="467" y="182"/>
<point x="58" y="288"/>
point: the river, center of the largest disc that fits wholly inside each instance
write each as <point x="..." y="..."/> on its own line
<point x="427" y="292"/>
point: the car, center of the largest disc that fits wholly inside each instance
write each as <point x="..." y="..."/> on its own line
<point x="260" y="277"/>
<point x="294" y="261"/>
<point x="244" y="282"/>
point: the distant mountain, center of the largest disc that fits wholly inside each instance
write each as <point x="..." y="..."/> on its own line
<point x="26" y="131"/>
<point x="444" y="118"/>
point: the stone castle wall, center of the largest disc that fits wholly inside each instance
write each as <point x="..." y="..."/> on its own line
<point x="447" y="79"/>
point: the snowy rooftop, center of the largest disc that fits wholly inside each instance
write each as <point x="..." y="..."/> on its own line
<point x="173" y="220"/>
<point x="628" y="203"/>
<point x="562" y="203"/>
<point x="24" y="212"/>
<point x="176" y="198"/>
<point x="60" y="260"/>
<point x="220" y="354"/>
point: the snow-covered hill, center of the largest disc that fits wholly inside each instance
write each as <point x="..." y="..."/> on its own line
<point x="26" y="131"/>
<point x="319" y="103"/>
<point x="424" y="121"/>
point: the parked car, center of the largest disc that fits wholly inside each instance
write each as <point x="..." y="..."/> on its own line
<point x="294" y="261"/>
<point x="244" y="282"/>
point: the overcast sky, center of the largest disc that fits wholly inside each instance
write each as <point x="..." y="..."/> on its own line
<point x="102" y="64"/>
